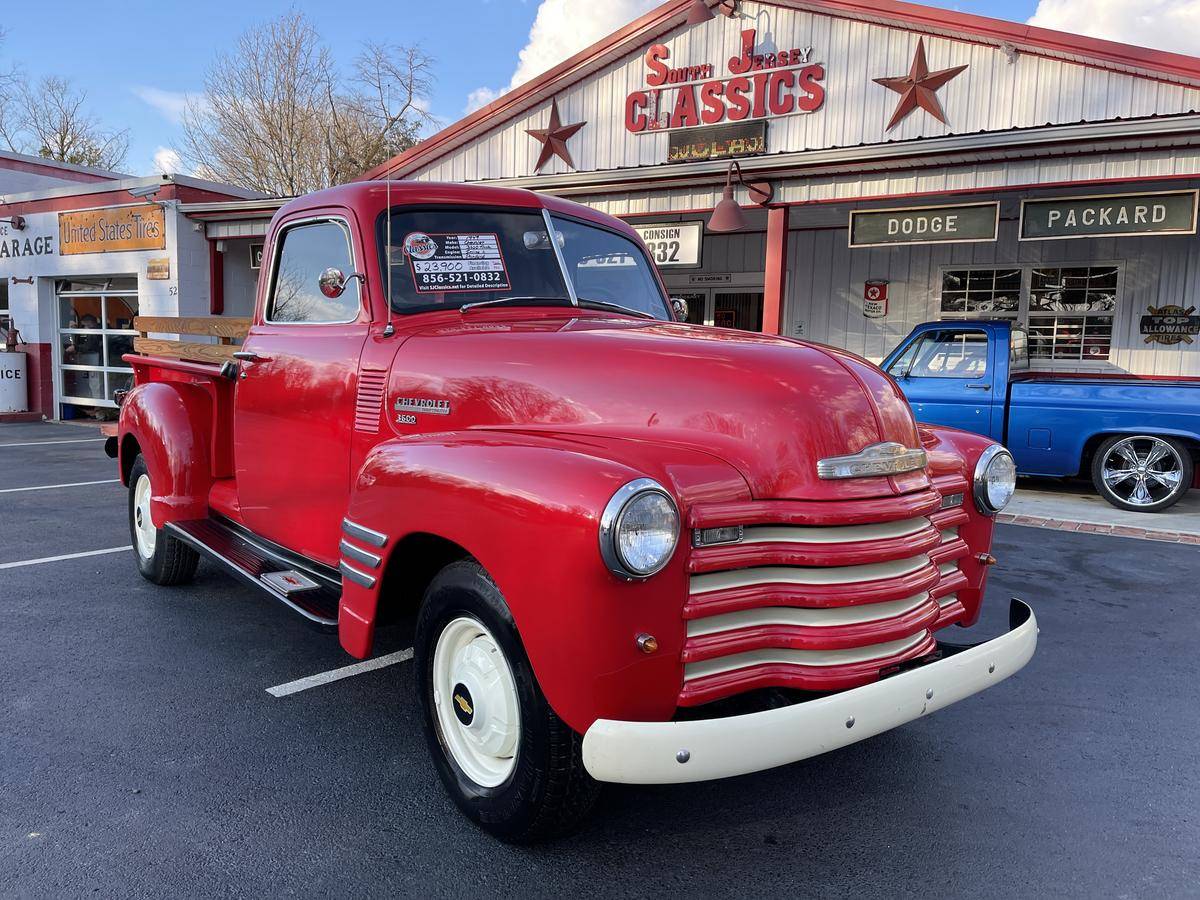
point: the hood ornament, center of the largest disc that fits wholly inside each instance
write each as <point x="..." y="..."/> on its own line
<point x="879" y="459"/>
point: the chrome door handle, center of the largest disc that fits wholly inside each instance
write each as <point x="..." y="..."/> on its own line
<point x="979" y="387"/>
<point x="249" y="356"/>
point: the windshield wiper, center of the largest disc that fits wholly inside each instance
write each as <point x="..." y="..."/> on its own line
<point x="517" y="301"/>
<point x="616" y="307"/>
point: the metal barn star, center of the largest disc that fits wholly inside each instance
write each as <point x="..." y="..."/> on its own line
<point x="919" y="88"/>
<point x="554" y="139"/>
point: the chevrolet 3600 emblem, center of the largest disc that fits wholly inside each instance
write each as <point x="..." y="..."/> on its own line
<point x="423" y="405"/>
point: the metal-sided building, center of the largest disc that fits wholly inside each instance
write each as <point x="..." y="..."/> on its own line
<point x="84" y="251"/>
<point x="921" y="164"/>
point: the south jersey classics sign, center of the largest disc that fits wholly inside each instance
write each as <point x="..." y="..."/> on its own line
<point x="755" y="84"/>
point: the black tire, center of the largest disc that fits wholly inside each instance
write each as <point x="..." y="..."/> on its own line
<point x="172" y="562"/>
<point x="1158" y="497"/>
<point x="548" y="792"/>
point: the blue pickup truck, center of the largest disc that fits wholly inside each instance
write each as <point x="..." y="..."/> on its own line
<point x="1138" y="439"/>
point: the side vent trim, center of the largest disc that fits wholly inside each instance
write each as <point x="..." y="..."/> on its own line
<point x="368" y="409"/>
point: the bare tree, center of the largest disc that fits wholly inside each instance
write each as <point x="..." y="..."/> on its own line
<point x="47" y="117"/>
<point x="277" y="116"/>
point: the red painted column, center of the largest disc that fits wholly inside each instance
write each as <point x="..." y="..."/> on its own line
<point x="775" y="275"/>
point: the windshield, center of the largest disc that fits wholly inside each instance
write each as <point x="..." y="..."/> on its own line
<point x="453" y="257"/>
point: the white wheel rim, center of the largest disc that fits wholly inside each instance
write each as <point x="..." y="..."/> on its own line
<point x="143" y="526"/>
<point x="478" y="714"/>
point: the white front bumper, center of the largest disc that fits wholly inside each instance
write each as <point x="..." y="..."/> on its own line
<point x="654" y="752"/>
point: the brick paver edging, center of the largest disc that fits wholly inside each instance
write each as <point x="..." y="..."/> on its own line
<point x="1145" y="534"/>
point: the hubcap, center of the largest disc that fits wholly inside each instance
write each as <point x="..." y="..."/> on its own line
<point x="475" y="697"/>
<point x="1142" y="471"/>
<point x="143" y="526"/>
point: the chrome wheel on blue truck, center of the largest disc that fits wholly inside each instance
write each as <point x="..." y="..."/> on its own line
<point x="1142" y="472"/>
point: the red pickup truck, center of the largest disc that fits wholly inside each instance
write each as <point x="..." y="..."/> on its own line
<point x="634" y="550"/>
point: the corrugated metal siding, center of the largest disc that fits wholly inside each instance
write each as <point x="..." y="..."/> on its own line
<point x="945" y="179"/>
<point x="825" y="285"/>
<point x="992" y="95"/>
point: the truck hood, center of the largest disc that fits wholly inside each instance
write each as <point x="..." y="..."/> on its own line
<point x="768" y="406"/>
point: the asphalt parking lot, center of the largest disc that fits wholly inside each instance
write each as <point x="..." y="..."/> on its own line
<point x="141" y="755"/>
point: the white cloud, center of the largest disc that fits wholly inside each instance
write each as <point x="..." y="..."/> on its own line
<point x="167" y="161"/>
<point x="171" y="104"/>
<point x="1162" y="24"/>
<point x="561" y="29"/>
<point x="479" y="98"/>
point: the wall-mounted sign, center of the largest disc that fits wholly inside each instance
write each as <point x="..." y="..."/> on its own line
<point x="256" y="255"/>
<point x="15" y="244"/>
<point x="159" y="269"/>
<point x="1170" y="324"/>
<point x="718" y="142"/>
<point x="925" y="225"/>
<point x="711" y="278"/>
<point x="875" y="299"/>
<point x="673" y="245"/>
<point x="109" y="230"/>
<point x="758" y="84"/>
<point x="1125" y="215"/>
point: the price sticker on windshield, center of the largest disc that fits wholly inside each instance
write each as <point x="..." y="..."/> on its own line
<point x="456" y="262"/>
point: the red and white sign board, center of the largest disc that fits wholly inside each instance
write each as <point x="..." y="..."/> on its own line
<point x="875" y="299"/>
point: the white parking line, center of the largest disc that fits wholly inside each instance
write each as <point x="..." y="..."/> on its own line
<point x="51" y="487"/>
<point x="44" y="443"/>
<point x="312" y="681"/>
<point x="50" y="559"/>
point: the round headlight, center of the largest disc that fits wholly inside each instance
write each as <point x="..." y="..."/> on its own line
<point x="995" y="480"/>
<point x="639" y="529"/>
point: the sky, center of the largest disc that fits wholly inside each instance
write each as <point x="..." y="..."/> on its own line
<point x="140" y="59"/>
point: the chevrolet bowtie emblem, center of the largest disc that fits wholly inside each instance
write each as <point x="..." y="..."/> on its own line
<point x="463" y="704"/>
<point x="878" y="459"/>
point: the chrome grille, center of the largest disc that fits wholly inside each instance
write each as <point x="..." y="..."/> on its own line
<point x="806" y="603"/>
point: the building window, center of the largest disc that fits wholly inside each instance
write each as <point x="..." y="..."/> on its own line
<point x="1071" y="312"/>
<point x="1068" y="311"/>
<point x="5" y="315"/>
<point x="991" y="293"/>
<point x="95" y="328"/>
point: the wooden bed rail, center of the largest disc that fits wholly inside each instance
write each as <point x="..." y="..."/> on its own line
<point x="229" y="332"/>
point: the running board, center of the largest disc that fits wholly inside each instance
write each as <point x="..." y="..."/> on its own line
<point x="304" y="587"/>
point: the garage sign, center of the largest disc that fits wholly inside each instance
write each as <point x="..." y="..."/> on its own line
<point x="925" y="225"/>
<point x="1123" y="215"/>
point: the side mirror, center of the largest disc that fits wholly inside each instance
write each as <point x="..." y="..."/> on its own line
<point x="679" y="307"/>
<point x="332" y="282"/>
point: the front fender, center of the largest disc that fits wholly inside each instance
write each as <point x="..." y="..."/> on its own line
<point x="527" y="508"/>
<point x="172" y="424"/>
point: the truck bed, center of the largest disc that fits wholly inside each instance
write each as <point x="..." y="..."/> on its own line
<point x="1053" y="417"/>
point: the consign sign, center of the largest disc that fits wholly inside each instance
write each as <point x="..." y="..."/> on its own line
<point x="1124" y="215"/>
<point x="925" y="225"/>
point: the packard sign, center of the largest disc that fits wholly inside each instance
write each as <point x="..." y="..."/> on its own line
<point x="756" y="84"/>
<point x="925" y="225"/>
<point x="109" y="230"/>
<point x="1124" y="215"/>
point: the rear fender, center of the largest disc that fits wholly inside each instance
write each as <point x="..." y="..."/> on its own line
<point x="527" y="509"/>
<point x="172" y="424"/>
